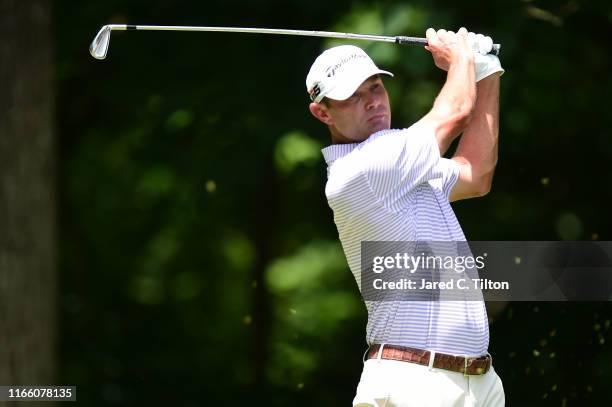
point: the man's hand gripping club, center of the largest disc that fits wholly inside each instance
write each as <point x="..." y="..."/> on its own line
<point x="485" y="64"/>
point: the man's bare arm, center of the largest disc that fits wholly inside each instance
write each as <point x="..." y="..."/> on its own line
<point x="477" y="149"/>
<point x="454" y="104"/>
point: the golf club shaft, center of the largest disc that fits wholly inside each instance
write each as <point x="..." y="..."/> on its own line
<point x="326" y="34"/>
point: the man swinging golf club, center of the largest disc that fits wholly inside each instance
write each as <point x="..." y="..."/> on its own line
<point x="394" y="185"/>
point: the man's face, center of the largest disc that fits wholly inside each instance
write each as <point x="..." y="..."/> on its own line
<point x="364" y="113"/>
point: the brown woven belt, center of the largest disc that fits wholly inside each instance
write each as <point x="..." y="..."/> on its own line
<point x="462" y="364"/>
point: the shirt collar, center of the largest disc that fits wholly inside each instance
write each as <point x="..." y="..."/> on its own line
<point x="335" y="151"/>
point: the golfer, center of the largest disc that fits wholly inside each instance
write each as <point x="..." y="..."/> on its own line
<point x="394" y="185"/>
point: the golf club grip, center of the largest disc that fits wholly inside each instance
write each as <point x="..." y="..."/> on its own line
<point x="423" y="41"/>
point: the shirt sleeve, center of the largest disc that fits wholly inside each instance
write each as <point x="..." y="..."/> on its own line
<point x="398" y="161"/>
<point x="450" y="175"/>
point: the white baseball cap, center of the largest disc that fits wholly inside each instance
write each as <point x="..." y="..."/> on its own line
<point x="338" y="72"/>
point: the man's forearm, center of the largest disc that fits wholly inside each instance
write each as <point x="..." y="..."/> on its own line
<point x="478" y="145"/>
<point x="455" y="102"/>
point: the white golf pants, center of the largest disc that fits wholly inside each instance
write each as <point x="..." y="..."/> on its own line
<point x="392" y="383"/>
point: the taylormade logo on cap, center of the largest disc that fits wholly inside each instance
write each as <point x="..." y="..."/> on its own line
<point x="338" y="72"/>
<point x="331" y="70"/>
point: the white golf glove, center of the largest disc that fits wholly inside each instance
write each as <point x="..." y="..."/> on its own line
<point x="485" y="64"/>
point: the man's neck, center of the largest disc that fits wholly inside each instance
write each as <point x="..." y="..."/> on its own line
<point x="339" y="138"/>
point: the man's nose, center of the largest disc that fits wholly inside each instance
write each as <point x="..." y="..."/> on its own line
<point x="372" y="101"/>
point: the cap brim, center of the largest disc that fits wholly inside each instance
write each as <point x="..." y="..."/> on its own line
<point x="346" y="88"/>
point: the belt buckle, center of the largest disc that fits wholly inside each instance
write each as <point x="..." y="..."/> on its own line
<point x="467" y="364"/>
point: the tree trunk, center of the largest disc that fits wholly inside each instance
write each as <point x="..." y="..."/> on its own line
<point x="27" y="195"/>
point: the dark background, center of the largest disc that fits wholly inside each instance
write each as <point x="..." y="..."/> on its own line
<point x="195" y="260"/>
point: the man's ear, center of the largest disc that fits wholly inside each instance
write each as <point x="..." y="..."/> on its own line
<point x="321" y="112"/>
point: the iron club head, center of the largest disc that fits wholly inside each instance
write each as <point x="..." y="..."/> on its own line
<point x="99" y="46"/>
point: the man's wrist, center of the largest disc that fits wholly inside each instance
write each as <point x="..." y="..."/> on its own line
<point x="462" y="58"/>
<point x="494" y="77"/>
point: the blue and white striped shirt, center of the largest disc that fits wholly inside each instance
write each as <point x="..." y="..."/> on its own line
<point x="394" y="186"/>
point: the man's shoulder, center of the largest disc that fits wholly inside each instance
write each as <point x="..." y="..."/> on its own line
<point x="393" y="143"/>
<point x="393" y="136"/>
<point x="386" y="145"/>
<point x="385" y="140"/>
<point x="384" y="135"/>
<point x="381" y="149"/>
<point x="372" y="154"/>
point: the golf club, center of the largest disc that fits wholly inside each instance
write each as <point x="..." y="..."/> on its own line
<point x="99" y="46"/>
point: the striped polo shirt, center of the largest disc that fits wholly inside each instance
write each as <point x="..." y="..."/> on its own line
<point x="394" y="186"/>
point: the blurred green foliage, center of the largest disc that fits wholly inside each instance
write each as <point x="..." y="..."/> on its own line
<point x="199" y="260"/>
